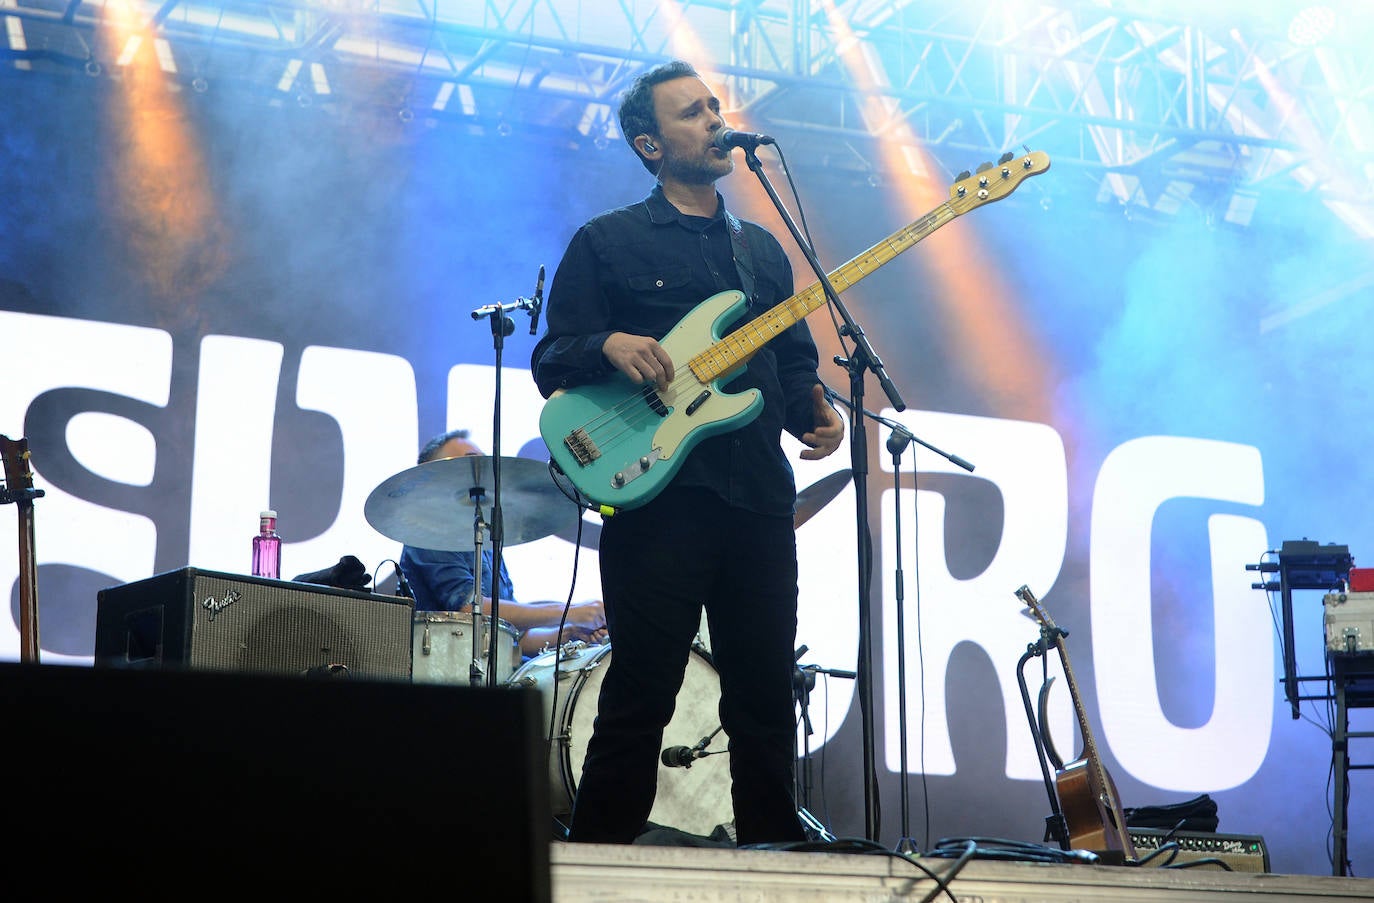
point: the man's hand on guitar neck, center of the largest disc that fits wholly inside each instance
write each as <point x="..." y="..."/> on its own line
<point x="828" y="431"/>
<point x="639" y="357"/>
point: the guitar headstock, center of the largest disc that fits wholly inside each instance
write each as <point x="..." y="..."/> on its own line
<point x="18" y="477"/>
<point x="992" y="183"/>
<point x="1036" y="609"/>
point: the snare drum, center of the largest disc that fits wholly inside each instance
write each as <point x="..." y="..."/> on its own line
<point x="441" y="647"/>
<point x="695" y="799"/>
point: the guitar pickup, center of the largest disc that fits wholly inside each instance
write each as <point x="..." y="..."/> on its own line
<point x="656" y="403"/>
<point x="697" y="402"/>
<point x="582" y="447"/>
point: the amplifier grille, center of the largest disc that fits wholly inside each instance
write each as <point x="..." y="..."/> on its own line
<point x="210" y="620"/>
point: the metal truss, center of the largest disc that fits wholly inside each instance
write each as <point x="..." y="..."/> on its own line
<point x="1158" y="105"/>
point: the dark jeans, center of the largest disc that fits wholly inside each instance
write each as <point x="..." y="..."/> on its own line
<point x="659" y="564"/>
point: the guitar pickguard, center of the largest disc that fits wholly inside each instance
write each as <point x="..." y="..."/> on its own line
<point x="620" y="442"/>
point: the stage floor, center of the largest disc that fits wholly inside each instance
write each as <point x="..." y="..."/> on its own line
<point x="583" y="873"/>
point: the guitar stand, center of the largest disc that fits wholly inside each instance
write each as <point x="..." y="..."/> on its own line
<point x="1056" y="828"/>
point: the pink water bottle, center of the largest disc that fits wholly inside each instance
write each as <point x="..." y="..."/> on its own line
<point x="267" y="547"/>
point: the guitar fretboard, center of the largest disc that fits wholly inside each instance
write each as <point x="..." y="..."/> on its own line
<point x="735" y="349"/>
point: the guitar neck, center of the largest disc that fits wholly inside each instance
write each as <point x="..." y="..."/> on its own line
<point x="19" y="486"/>
<point x="741" y="345"/>
<point x="1084" y="728"/>
<point x="991" y="183"/>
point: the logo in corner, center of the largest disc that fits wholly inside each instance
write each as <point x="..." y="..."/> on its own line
<point x="215" y="606"/>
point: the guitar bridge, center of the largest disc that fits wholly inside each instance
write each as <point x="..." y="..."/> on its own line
<point x="582" y="447"/>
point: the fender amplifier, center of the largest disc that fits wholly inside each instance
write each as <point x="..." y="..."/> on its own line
<point x="199" y="619"/>
<point x="1241" y="852"/>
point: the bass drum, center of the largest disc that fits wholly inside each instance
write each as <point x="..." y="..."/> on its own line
<point x="696" y="799"/>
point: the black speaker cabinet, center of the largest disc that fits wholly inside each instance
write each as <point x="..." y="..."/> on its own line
<point x="199" y="619"/>
<point x="173" y="782"/>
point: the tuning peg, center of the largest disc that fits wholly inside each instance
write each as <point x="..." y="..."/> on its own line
<point x="1005" y="158"/>
<point x="962" y="176"/>
<point x="984" y="166"/>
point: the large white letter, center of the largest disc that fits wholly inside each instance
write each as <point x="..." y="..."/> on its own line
<point x="1026" y="462"/>
<point x="236" y="406"/>
<point x="1135" y="480"/>
<point x="46" y="353"/>
<point x="372" y="397"/>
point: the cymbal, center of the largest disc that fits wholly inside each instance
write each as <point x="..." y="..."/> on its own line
<point x="816" y="496"/>
<point x="432" y="505"/>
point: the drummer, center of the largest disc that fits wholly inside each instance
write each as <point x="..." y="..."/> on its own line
<point x="442" y="581"/>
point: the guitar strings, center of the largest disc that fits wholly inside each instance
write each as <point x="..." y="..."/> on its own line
<point x="717" y="360"/>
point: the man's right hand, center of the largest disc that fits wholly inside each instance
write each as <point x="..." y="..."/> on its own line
<point x="639" y="357"/>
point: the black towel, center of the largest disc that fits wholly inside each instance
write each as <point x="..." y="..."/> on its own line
<point x="349" y="573"/>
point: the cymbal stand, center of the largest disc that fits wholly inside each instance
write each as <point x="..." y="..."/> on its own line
<point x="479" y="528"/>
<point x="501" y="326"/>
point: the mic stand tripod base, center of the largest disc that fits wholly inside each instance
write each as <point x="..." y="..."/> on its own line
<point x="814" y="829"/>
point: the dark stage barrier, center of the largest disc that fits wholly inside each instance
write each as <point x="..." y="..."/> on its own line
<point x="135" y="777"/>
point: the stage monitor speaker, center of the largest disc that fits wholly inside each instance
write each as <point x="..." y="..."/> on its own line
<point x="164" y="782"/>
<point x="199" y="619"/>
<point x="1241" y="852"/>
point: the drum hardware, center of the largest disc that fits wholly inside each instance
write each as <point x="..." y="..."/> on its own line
<point x="417" y="507"/>
<point x="803" y="682"/>
<point x="819" y="494"/>
<point x="695" y="800"/>
<point x="443" y="644"/>
<point x="684" y="756"/>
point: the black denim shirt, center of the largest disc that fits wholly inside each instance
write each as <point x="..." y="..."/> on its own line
<point x="642" y="268"/>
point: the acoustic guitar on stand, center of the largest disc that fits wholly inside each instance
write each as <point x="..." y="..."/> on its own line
<point x="620" y="443"/>
<point x="19" y="489"/>
<point x="1087" y="795"/>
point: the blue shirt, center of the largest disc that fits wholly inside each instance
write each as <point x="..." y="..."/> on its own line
<point x="442" y="581"/>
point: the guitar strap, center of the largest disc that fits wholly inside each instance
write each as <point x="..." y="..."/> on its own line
<point x="744" y="260"/>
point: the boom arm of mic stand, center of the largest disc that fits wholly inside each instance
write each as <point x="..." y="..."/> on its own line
<point x="898" y="428"/>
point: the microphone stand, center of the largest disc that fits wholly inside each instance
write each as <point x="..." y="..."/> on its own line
<point x="501" y="326"/>
<point x="897" y="444"/>
<point x="803" y="682"/>
<point x="863" y="359"/>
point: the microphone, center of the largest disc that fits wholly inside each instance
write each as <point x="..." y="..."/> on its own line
<point x="681" y="756"/>
<point x="725" y="139"/>
<point x="538" y="303"/>
<point x="403" y="585"/>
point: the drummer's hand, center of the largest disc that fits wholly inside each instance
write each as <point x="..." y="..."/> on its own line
<point x="587" y="621"/>
<point x="588" y="615"/>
